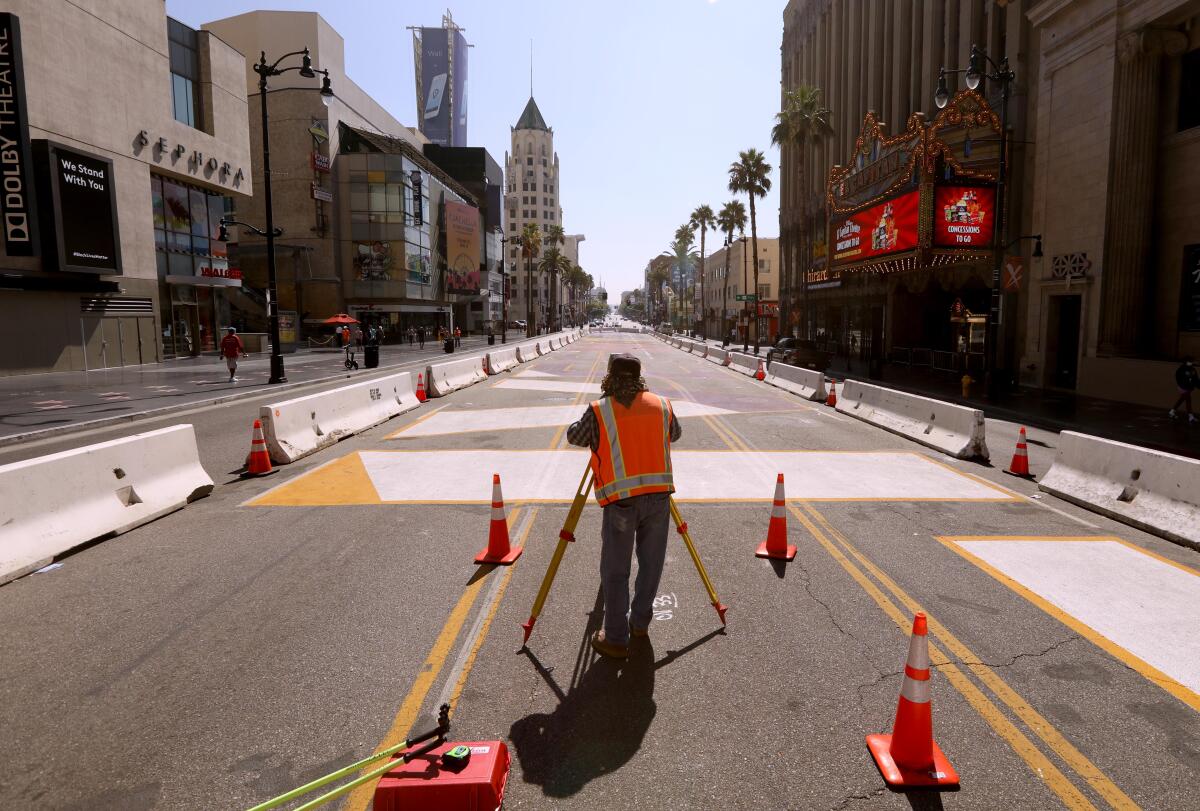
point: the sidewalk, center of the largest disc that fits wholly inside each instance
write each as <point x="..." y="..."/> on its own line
<point x="1051" y="410"/>
<point x="60" y="400"/>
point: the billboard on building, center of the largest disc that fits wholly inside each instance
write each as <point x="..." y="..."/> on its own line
<point x="458" y="99"/>
<point x="964" y="216"/>
<point x="433" y="68"/>
<point x="886" y="228"/>
<point x="462" y="248"/>
<point x="79" y="203"/>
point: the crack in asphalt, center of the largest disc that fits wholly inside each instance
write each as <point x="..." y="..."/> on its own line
<point x="850" y="798"/>
<point x="1027" y="655"/>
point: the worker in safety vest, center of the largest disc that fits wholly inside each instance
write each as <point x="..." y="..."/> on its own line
<point x="630" y="432"/>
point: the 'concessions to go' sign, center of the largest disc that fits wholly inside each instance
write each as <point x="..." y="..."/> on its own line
<point x="964" y="216"/>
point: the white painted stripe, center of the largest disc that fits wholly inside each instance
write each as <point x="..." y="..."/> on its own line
<point x="533" y="373"/>
<point x="549" y="385"/>
<point x="440" y="475"/>
<point x="1140" y="603"/>
<point x="503" y="419"/>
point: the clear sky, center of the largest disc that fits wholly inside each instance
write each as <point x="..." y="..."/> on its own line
<point x="650" y="100"/>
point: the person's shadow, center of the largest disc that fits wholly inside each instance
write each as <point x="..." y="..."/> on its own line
<point x="596" y="728"/>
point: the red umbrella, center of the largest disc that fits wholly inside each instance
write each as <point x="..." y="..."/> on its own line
<point x="340" y="318"/>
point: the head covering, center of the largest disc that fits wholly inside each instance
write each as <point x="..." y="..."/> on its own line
<point x="230" y="330"/>
<point x="624" y="365"/>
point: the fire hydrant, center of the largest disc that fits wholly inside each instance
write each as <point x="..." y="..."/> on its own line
<point x="966" y="385"/>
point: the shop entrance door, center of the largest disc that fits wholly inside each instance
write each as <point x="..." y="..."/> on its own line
<point x="1062" y="350"/>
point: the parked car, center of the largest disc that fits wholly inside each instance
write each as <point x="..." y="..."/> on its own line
<point x="799" y="352"/>
<point x="518" y="324"/>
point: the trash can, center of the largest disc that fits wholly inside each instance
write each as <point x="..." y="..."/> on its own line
<point x="448" y="346"/>
<point x="491" y="339"/>
<point x="371" y="356"/>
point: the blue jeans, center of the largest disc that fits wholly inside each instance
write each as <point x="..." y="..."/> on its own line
<point x="640" y="521"/>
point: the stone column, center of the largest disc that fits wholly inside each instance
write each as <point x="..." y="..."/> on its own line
<point x="1129" y="219"/>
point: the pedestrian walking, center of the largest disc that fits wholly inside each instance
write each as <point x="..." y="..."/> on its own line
<point x="457" y="337"/>
<point x="347" y="337"/>
<point x="412" y="336"/>
<point x="358" y="336"/>
<point x="232" y="348"/>
<point x="629" y="431"/>
<point x="421" y="336"/>
<point x="1187" y="379"/>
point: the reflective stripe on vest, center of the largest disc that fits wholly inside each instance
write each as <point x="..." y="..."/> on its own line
<point x="616" y="480"/>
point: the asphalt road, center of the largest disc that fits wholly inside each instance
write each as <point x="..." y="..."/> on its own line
<point x="283" y="627"/>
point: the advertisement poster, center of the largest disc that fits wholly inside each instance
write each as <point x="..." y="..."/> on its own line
<point x="287" y="327"/>
<point x="84" y="209"/>
<point x="418" y="265"/>
<point x="462" y="248"/>
<point x="882" y="229"/>
<point x="964" y="216"/>
<point x="458" y="129"/>
<point x="373" y="261"/>
<point x="435" y="92"/>
<point x="1189" y="291"/>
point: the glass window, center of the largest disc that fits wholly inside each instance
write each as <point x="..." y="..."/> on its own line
<point x="395" y="197"/>
<point x="378" y="197"/>
<point x="199" y="206"/>
<point x="156" y="200"/>
<point x="529" y="161"/>
<point x="1189" y="91"/>
<point x="358" y="198"/>
<point x="177" y="206"/>
<point x="184" y="64"/>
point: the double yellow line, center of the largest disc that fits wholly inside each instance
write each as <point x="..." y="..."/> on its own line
<point x="446" y="641"/>
<point x="858" y="566"/>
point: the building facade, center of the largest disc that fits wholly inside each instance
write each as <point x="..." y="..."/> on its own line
<point x="728" y="273"/>
<point x="355" y="239"/>
<point x="110" y="255"/>
<point x="532" y="172"/>
<point x="1103" y="138"/>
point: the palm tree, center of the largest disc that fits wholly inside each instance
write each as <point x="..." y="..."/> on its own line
<point x="657" y="277"/>
<point x="555" y="236"/>
<point x="531" y="240"/>
<point x="732" y="218"/>
<point x="703" y="219"/>
<point x="803" y="122"/>
<point x="683" y="259"/>
<point x="751" y="174"/>
<point x="554" y="262"/>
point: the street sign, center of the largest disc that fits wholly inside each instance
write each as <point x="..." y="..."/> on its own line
<point x="746" y="297"/>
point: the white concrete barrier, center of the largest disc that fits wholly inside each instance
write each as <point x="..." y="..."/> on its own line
<point x="805" y="382"/>
<point x="744" y="363"/>
<point x="501" y="360"/>
<point x="953" y="429"/>
<point x="295" y="428"/>
<point x="453" y="375"/>
<point x="527" y="352"/>
<point x="719" y="356"/>
<point x="1155" y="491"/>
<point x="544" y="347"/>
<point x="52" y="504"/>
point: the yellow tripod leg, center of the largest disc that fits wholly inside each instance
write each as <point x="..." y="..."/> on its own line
<point x="682" y="528"/>
<point x="566" y="536"/>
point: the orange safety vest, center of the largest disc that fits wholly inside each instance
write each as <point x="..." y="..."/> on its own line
<point x="634" y="456"/>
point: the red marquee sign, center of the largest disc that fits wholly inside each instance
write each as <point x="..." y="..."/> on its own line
<point x="964" y="216"/>
<point x="887" y="228"/>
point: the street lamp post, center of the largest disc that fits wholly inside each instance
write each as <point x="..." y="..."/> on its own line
<point x="503" y="294"/>
<point x="725" y="293"/>
<point x="975" y="73"/>
<point x="745" y="301"/>
<point x="264" y="70"/>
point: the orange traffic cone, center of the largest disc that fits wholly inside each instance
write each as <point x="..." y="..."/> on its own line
<point x="1020" y="461"/>
<point x="831" y="400"/>
<point x="761" y="373"/>
<point x="776" y="546"/>
<point x="498" y="550"/>
<point x="909" y="756"/>
<point x="258" y="463"/>
<point x="421" y="396"/>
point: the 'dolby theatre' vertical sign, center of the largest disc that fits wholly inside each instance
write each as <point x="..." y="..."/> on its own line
<point x="17" y="202"/>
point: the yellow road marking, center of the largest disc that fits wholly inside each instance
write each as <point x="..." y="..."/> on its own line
<point x="338" y="482"/>
<point x="442" y="647"/>
<point x="1147" y="670"/>
<point x="558" y="435"/>
<point x="1038" y="763"/>
<point x="1021" y="708"/>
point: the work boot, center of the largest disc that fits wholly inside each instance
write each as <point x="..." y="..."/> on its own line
<point x="606" y="648"/>
<point x="1171" y="413"/>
